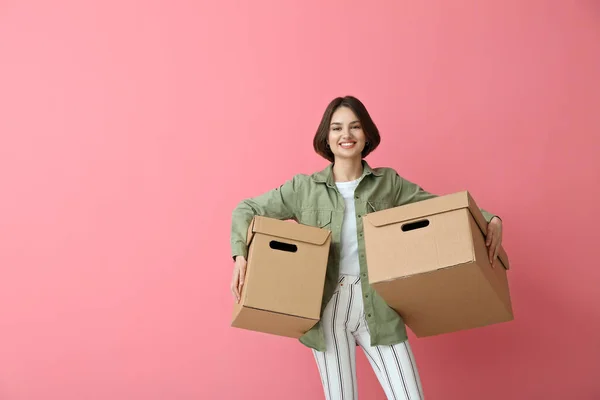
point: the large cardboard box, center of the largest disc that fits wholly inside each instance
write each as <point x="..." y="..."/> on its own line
<point x="429" y="262"/>
<point x="285" y="278"/>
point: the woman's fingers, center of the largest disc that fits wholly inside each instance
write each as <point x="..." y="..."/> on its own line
<point x="234" y="284"/>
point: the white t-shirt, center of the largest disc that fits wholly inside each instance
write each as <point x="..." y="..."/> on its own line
<point x="349" y="264"/>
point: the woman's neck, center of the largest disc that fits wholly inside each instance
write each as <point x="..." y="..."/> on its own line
<point x="347" y="170"/>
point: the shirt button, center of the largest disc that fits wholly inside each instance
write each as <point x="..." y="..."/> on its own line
<point x="364" y="275"/>
<point x="366" y="296"/>
<point x="360" y="234"/>
<point x="369" y="315"/>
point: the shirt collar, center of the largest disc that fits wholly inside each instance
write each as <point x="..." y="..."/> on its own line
<point x="326" y="175"/>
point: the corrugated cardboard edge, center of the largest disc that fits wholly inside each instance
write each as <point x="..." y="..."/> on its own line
<point x="250" y="234"/>
<point x="316" y="319"/>
<point x="300" y="232"/>
<point x="455" y="201"/>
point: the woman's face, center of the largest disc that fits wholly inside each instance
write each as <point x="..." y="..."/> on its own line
<point x="346" y="137"/>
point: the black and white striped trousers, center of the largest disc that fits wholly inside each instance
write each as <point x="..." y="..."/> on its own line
<point x="345" y="326"/>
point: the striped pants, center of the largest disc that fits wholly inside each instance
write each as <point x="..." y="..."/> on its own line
<point x="345" y="326"/>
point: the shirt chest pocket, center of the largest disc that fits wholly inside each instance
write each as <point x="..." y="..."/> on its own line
<point x="378" y="205"/>
<point x="317" y="218"/>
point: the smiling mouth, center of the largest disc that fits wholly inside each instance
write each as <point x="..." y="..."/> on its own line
<point x="347" y="145"/>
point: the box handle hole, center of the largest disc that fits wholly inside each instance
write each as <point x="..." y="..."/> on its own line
<point x="290" y="248"/>
<point x="411" y="226"/>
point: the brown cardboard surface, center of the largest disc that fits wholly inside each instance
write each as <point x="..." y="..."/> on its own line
<point x="437" y="276"/>
<point x="285" y="277"/>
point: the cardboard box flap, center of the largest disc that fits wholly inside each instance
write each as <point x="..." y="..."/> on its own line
<point x="300" y="232"/>
<point x="482" y="223"/>
<point x="418" y="210"/>
<point x="430" y="207"/>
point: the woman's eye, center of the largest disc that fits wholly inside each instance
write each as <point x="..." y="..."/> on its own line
<point x="356" y="127"/>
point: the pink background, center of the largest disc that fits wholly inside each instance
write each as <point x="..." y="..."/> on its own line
<point x="130" y="130"/>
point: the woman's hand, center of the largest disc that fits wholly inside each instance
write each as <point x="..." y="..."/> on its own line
<point x="494" y="239"/>
<point x="239" y="274"/>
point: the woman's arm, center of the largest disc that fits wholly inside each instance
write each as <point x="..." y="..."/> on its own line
<point x="279" y="203"/>
<point x="408" y="192"/>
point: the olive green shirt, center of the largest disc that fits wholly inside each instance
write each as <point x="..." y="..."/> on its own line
<point x="315" y="200"/>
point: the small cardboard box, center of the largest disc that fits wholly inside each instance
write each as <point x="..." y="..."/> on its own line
<point x="429" y="262"/>
<point x="285" y="278"/>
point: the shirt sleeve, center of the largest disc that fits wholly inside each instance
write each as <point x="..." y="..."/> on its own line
<point x="279" y="203"/>
<point x="408" y="192"/>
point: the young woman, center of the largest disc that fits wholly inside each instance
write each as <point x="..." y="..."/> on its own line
<point x="336" y="199"/>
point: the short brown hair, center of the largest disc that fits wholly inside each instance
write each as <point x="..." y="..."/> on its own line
<point x="367" y="124"/>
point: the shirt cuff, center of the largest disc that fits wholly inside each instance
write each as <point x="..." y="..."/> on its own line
<point x="239" y="249"/>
